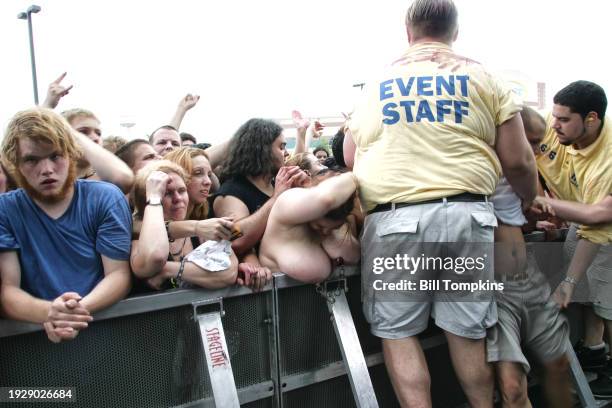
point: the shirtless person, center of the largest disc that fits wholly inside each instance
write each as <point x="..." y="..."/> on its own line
<point x="307" y="228"/>
<point x="527" y="318"/>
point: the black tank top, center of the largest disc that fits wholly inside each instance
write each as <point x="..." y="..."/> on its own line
<point x="241" y="188"/>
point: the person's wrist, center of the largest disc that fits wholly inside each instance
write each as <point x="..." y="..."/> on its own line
<point x="195" y="228"/>
<point x="571" y="280"/>
<point x="154" y="200"/>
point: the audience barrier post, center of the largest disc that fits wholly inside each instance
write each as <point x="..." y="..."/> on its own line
<point x="217" y="353"/>
<point x="580" y="381"/>
<point x="361" y="385"/>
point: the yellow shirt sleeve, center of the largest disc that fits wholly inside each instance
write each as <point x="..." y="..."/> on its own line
<point x="507" y="104"/>
<point x="596" y="190"/>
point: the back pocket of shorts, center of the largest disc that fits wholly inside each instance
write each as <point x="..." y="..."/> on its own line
<point x="484" y="218"/>
<point x="402" y="226"/>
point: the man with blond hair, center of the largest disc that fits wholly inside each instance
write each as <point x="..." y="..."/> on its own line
<point x="64" y="243"/>
<point x="96" y="163"/>
<point x="424" y="141"/>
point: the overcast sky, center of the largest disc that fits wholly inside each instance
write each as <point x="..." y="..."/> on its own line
<point x="131" y="61"/>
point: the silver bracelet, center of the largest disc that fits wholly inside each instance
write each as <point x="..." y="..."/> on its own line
<point x="179" y="275"/>
<point x="570" y="280"/>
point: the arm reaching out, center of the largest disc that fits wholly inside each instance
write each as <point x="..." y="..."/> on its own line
<point x="109" y="167"/>
<point x="302" y="205"/>
<point x="254" y="225"/>
<point x="301" y="125"/>
<point x="588" y="214"/>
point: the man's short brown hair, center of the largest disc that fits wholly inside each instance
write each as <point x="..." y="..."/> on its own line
<point x="533" y="122"/>
<point x="40" y="125"/>
<point x="432" y="18"/>
<point x="72" y="114"/>
<point x="113" y="143"/>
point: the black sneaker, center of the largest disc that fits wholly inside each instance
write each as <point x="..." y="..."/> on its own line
<point x="590" y="360"/>
<point x="602" y="387"/>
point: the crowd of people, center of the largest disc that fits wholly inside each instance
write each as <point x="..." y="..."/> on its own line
<point x="438" y="150"/>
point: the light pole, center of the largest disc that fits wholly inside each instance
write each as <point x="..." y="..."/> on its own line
<point x="27" y="15"/>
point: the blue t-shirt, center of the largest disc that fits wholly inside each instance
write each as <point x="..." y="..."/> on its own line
<point x="63" y="255"/>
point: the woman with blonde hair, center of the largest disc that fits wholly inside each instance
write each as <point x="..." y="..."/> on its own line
<point x="197" y="165"/>
<point x="161" y="194"/>
<point x="307" y="162"/>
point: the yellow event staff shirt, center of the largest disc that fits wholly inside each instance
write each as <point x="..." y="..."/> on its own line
<point x="555" y="165"/>
<point x="593" y="170"/>
<point x="426" y="129"/>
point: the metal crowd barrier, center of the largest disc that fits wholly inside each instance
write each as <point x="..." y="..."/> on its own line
<point x="286" y="346"/>
<point x="281" y="345"/>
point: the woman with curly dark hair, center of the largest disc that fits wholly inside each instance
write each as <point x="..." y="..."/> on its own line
<point x="247" y="192"/>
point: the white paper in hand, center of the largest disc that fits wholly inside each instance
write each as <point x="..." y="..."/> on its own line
<point x="211" y="255"/>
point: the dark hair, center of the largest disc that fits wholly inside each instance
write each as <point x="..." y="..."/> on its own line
<point x="126" y="152"/>
<point x="320" y="149"/>
<point x="167" y="127"/>
<point x="330" y="163"/>
<point x="533" y="122"/>
<point x="187" y="136"/>
<point x="432" y="18"/>
<point x="202" y="145"/>
<point x="250" y="152"/>
<point x="337" y="143"/>
<point x="342" y="211"/>
<point x="582" y="97"/>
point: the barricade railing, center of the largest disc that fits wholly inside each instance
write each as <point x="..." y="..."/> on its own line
<point x="286" y="345"/>
<point x="149" y="351"/>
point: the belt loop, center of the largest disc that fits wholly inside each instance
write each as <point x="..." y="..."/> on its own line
<point x="393" y="207"/>
<point x="444" y="201"/>
<point x="486" y="199"/>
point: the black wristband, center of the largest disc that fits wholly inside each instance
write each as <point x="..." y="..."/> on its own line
<point x="167" y="223"/>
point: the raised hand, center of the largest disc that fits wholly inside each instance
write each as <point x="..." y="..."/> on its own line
<point x="285" y="179"/>
<point x="156" y="185"/>
<point x="55" y="92"/>
<point x="299" y="121"/>
<point x="315" y="130"/>
<point x="188" y="102"/>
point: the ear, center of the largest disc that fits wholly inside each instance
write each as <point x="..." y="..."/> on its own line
<point x="456" y="34"/>
<point x="591" y="116"/>
<point x="410" y="35"/>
